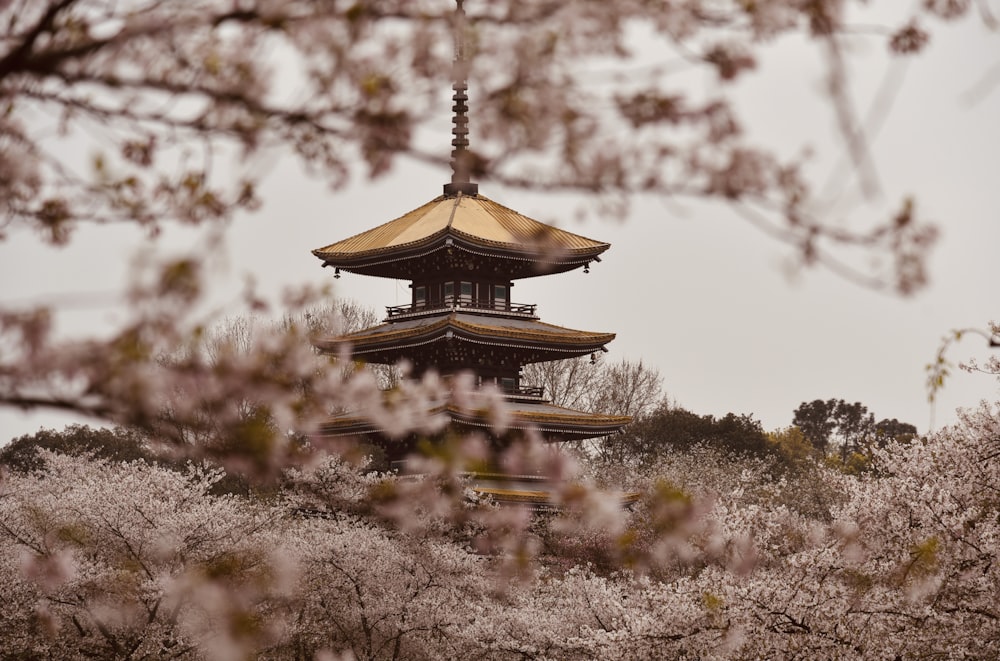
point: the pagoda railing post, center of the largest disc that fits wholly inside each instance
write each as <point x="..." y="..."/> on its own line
<point x="528" y="310"/>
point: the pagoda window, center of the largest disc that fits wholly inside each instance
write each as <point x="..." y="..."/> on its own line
<point x="501" y="297"/>
<point x="449" y="293"/>
<point x="466" y="292"/>
<point x="419" y="296"/>
<point x="508" y="384"/>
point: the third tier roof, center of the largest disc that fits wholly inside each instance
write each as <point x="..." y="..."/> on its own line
<point x="462" y="233"/>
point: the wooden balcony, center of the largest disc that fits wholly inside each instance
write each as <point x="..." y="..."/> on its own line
<point x="502" y="308"/>
<point x="525" y="392"/>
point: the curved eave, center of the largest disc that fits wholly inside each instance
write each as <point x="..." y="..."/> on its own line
<point x="404" y="263"/>
<point x="348" y="425"/>
<point x="533" y="335"/>
<point x="553" y="420"/>
<point x="516" y="496"/>
<point x="530" y="247"/>
<point x="549" y="419"/>
<point x="539" y="499"/>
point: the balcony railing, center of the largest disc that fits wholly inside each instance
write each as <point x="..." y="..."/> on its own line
<point x="498" y="307"/>
<point x="534" y="392"/>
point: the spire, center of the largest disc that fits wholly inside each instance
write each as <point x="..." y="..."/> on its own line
<point x="461" y="157"/>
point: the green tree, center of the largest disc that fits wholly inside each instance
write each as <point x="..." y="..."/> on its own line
<point x="112" y="444"/>
<point x="674" y="427"/>
<point x="856" y="427"/>
<point x="115" y="444"/>
<point x="849" y="426"/>
<point x="816" y="420"/>
<point x="887" y="430"/>
<point x="792" y="446"/>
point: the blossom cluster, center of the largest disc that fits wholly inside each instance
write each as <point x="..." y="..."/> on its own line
<point x="134" y="560"/>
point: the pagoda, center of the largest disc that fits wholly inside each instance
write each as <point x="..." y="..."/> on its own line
<point x="462" y="254"/>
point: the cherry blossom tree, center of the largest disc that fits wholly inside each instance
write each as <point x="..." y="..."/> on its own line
<point x="129" y="560"/>
<point x="380" y="597"/>
<point x="175" y="102"/>
<point x="904" y="566"/>
<point x="169" y="89"/>
<point x="940" y="368"/>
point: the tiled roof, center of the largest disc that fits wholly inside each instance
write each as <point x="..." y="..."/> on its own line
<point x="500" y="328"/>
<point x="538" y="498"/>
<point x="547" y="418"/>
<point x="474" y="218"/>
<point x="541" y="412"/>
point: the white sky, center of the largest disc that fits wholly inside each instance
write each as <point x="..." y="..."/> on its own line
<point x="689" y="287"/>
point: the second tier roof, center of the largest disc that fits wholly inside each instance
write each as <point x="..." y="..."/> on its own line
<point x="387" y="339"/>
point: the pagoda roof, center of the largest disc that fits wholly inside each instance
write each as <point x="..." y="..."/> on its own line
<point x="465" y="223"/>
<point x="533" y="490"/>
<point x="549" y="419"/>
<point x="554" y="422"/>
<point x="518" y="333"/>
<point x="535" y="498"/>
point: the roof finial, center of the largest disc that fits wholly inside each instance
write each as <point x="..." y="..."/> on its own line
<point x="461" y="157"/>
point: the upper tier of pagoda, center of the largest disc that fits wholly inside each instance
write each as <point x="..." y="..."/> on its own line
<point x="462" y="234"/>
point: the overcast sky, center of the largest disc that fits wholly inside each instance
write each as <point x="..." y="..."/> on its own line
<point x="689" y="287"/>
